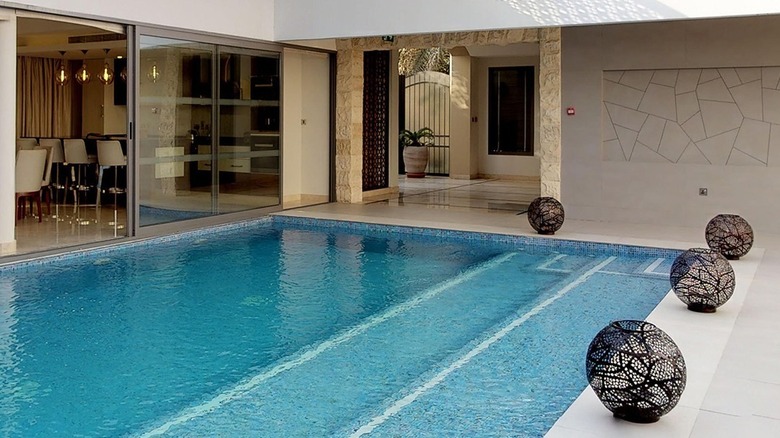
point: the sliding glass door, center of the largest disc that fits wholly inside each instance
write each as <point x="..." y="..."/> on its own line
<point x="208" y="129"/>
<point x="248" y="129"/>
<point x="174" y="136"/>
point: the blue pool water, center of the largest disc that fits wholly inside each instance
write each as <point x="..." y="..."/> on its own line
<point x="298" y="330"/>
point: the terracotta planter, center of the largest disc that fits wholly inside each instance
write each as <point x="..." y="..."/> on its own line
<point x="415" y="161"/>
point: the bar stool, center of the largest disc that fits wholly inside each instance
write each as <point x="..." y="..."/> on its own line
<point x="57" y="158"/>
<point x="76" y="155"/>
<point x="110" y="155"/>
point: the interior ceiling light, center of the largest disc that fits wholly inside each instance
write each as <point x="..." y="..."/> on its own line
<point x="61" y="76"/>
<point x="107" y="75"/>
<point x="82" y="75"/>
<point x="154" y="72"/>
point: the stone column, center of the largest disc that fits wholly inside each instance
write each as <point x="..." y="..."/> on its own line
<point x="550" y="111"/>
<point x="7" y="131"/>
<point x="349" y="122"/>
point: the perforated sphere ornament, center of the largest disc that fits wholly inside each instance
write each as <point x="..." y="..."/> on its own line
<point x="636" y="370"/>
<point x="702" y="279"/>
<point x="545" y="215"/>
<point x="730" y="235"/>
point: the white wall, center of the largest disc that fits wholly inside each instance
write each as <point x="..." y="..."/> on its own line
<point x="7" y="131"/>
<point x="596" y="186"/>
<point x="503" y="165"/>
<point x="302" y="19"/>
<point x="251" y="19"/>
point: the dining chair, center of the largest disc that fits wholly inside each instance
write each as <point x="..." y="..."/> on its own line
<point x="25" y="144"/>
<point x="57" y="158"/>
<point x="30" y="166"/>
<point x="45" y="188"/>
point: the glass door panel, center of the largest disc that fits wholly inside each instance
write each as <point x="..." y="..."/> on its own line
<point x="176" y="179"/>
<point x="248" y="141"/>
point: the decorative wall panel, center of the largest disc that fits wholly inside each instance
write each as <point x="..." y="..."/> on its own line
<point x="376" y="98"/>
<point x="716" y="116"/>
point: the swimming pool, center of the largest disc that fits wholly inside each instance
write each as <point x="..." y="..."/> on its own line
<point x="294" y="327"/>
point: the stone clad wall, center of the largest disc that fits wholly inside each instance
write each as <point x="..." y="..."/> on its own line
<point x="349" y="98"/>
<point x="550" y="111"/>
<point x="349" y="123"/>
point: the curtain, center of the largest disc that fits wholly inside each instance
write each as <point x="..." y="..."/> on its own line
<point x="43" y="108"/>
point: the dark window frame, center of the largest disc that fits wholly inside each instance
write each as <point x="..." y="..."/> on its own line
<point x="526" y="117"/>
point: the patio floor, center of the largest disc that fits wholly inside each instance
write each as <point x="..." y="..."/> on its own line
<point x="732" y="355"/>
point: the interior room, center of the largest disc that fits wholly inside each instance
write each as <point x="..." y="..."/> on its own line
<point x="72" y="105"/>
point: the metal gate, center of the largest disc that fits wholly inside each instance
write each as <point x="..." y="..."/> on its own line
<point x="426" y="104"/>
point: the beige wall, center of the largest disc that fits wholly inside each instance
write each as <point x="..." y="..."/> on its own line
<point x="502" y="165"/>
<point x="596" y="188"/>
<point x="98" y="112"/>
<point x="114" y="116"/>
<point x="291" y="125"/>
<point x="92" y="100"/>
<point x="306" y="126"/>
<point x="463" y="161"/>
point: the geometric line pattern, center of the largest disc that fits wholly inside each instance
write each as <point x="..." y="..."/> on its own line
<point x="713" y="116"/>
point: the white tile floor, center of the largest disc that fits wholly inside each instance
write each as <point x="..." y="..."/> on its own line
<point x="66" y="226"/>
<point x="733" y="355"/>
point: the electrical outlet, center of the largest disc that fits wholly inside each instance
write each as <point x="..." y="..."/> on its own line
<point x="702" y="191"/>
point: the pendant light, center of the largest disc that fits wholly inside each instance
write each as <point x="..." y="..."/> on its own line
<point x="61" y="76"/>
<point x="123" y="73"/>
<point x="82" y="75"/>
<point x="154" y="72"/>
<point x="107" y="75"/>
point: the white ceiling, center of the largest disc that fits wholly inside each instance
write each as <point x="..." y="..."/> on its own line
<point x="46" y="38"/>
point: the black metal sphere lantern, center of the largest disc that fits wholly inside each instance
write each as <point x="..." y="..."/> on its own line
<point x="702" y="279"/>
<point x="730" y="235"/>
<point x="545" y="215"/>
<point x="636" y="370"/>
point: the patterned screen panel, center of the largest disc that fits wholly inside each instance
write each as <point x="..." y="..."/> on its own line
<point x="376" y="95"/>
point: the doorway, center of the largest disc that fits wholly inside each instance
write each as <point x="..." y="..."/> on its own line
<point x="72" y="97"/>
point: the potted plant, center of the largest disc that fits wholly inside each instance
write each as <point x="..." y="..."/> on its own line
<point x="416" y="150"/>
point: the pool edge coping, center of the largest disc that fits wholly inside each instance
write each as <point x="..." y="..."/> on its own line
<point x="622" y="249"/>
